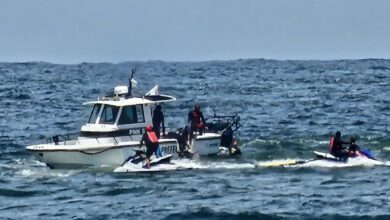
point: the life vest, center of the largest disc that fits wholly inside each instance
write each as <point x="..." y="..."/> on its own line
<point x="331" y="144"/>
<point x="152" y="137"/>
<point x="196" y="117"/>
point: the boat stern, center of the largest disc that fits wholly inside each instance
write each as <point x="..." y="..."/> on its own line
<point x="206" y="144"/>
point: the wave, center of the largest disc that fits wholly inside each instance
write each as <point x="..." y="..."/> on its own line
<point x="196" y="164"/>
<point x="208" y="213"/>
<point x="313" y="163"/>
<point x="18" y="193"/>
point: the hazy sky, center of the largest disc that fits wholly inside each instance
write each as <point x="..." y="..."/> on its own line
<point x="76" y="31"/>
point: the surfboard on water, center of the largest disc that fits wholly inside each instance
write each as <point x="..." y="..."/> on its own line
<point x="279" y="163"/>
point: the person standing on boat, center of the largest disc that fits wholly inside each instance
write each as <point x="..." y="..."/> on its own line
<point x="196" y="122"/>
<point x="158" y="119"/>
<point x="151" y="142"/>
<point x="196" y="119"/>
<point x="337" y="148"/>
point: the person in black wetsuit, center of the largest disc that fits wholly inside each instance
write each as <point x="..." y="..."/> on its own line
<point x="196" y="119"/>
<point x="337" y="147"/>
<point x="158" y="119"/>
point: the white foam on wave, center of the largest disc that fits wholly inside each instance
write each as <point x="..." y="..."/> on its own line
<point x="323" y="142"/>
<point x="39" y="173"/>
<point x="386" y="148"/>
<point x="261" y="141"/>
<point x="35" y="172"/>
<point x="34" y="169"/>
<point x="195" y="164"/>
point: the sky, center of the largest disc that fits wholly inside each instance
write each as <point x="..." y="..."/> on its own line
<point x="75" y="31"/>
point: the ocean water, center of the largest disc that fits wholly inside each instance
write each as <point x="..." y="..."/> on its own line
<point x="288" y="110"/>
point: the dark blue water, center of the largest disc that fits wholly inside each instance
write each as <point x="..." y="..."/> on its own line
<point x="288" y="109"/>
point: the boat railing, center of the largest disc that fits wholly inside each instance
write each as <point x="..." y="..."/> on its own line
<point x="63" y="139"/>
<point x="219" y="123"/>
<point x="69" y="139"/>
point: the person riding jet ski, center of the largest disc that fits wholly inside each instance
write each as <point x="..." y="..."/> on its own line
<point x="151" y="143"/>
<point x="336" y="147"/>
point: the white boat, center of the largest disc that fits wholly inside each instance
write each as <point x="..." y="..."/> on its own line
<point x="113" y="131"/>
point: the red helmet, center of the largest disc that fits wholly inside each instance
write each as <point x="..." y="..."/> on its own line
<point x="148" y="128"/>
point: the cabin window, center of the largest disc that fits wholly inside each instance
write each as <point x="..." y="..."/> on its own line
<point x="94" y="113"/>
<point x="132" y="114"/>
<point x="109" y="114"/>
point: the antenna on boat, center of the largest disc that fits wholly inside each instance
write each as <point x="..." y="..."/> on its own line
<point x="132" y="82"/>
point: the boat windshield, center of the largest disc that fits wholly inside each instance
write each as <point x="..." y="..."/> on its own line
<point x="94" y="113"/>
<point x="109" y="114"/>
<point x="132" y="114"/>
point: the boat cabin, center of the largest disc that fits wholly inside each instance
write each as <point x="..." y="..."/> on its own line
<point x="120" y="115"/>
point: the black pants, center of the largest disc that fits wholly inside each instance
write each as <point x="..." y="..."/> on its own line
<point x="150" y="149"/>
<point x="194" y="127"/>
<point x="156" y="130"/>
<point x="341" y="154"/>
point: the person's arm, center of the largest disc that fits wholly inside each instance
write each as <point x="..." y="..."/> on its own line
<point x="162" y="122"/>
<point x="342" y="142"/>
<point x="202" y="118"/>
<point x="189" y="117"/>
<point x="142" y="140"/>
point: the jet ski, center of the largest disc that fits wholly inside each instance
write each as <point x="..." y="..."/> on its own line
<point x="137" y="164"/>
<point x="362" y="158"/>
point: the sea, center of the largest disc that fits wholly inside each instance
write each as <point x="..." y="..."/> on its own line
<point x="288" y="109"/>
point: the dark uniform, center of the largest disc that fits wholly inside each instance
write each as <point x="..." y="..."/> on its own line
<point x="158" y="119"/>
<point x="337" y="149"/>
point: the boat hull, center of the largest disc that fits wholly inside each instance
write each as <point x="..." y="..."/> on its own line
<point x="102" y="156"/>
<point x="207" y="144"/>
<point x="113" y="155"/>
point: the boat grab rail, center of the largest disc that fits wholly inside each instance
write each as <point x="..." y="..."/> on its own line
<point x="56" y="139"/>
<point x="64" y="139"/>
<point x="222" y="122"/>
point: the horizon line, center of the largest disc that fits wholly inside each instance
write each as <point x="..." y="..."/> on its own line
<point x="187" y="61"/>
